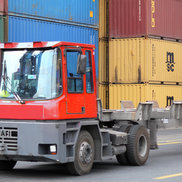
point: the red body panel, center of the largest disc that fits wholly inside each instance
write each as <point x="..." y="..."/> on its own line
<point x="42" y="110"/>
<point x="54" y="109"/>
<point x="136" y="18"/>
<point x="24" y="111"/>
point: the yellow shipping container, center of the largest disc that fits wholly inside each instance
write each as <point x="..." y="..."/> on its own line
<point x="141" y="60"/>
<point x="104" y="95"/>
<point x="102" y="18"/>
<point x="163" y="94"/>
<point x="103" y="59"/>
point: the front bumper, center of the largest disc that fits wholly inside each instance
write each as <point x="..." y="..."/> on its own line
<point x="28" y="141"/>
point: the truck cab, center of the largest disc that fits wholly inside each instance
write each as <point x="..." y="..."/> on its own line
<point x="41" y="81"/>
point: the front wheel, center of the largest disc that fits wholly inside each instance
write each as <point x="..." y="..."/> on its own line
<point x="7" y="164"/>
<point x="138" y="145"/>
<point x="84" y="154"/>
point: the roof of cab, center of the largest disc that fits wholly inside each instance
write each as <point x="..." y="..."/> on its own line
<point x="21" y="45"/>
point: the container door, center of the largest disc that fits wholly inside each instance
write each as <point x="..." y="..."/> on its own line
<point x="75" y="91"/>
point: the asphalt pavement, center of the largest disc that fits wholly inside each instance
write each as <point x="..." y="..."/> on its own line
<point x="164" y="164"/>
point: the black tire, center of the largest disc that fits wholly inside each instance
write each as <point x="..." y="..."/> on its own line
<point x="122" y="158"/>
<point x="138" y="145"/>
<point x="84" y="155"/>
<point x="7" y="164"/>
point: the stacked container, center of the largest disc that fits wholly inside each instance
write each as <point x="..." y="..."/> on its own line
<point x="45" y="20"/>
<point x="103" y="41"/>
<point x="136" y="18"/>
<point x="145" y="52"/>
<point x="3" y="12"/>
<point x="103" y="51"/>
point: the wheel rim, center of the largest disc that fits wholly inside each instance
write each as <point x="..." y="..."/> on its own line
<point x="142" y="146"/>
<point x="85" y="153"/>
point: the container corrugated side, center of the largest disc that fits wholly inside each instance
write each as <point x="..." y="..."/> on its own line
<point x="136" y="18"/>
<point x="103" y="95"/>
<point x="79" y="11"/>
<point x="1" y="29"/>
<point x="118" y="92"/>
<point x="102" y="18"/>
<point x="140" y="60"/>
<point x="103" y="69"/>
<point x="163" y="94"/>
<point x="27" y="30"/>
<point x="127" y="18"/>
<point x="3" y="7"/>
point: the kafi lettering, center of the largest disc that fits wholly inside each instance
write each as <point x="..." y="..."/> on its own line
<point x="5" y="133"/>
<point x="170" y="61"/>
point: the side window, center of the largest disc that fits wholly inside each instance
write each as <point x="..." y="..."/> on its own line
<point x="75" y="81"/>
<point x="89" y="75"/>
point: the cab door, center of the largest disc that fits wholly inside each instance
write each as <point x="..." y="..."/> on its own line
<point x="90" y="89"/>
<point x="75" y="103"/>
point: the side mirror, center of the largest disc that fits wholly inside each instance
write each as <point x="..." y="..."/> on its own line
<point x="81" y="64"/>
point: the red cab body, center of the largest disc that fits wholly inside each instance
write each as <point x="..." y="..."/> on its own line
<point x="66" y="105"/>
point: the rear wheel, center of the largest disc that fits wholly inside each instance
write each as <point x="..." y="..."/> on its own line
<point x="7" y="164"/>
<point x="84" y="154"/>
<point x="138" y="145"/>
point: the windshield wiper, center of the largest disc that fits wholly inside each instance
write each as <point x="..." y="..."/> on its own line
<point x="6" y="79"/>
<point x="17" y="97"/>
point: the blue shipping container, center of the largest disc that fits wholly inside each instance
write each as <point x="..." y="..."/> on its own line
<point x="75" y="11"/>
<point x="28" y="30"/>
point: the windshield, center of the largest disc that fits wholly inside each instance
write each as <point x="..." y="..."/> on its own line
<point x="30" y="74"/>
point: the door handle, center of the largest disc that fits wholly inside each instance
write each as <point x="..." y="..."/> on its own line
<point x="83" y="109"/>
